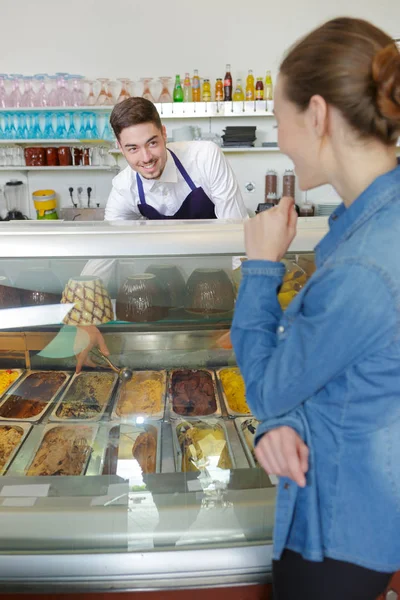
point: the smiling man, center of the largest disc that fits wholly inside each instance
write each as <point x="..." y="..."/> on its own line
<point x="184" y="180"/>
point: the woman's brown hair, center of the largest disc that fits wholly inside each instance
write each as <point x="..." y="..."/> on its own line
<point x="133" y="111"/>
<point x="355" y="67"/>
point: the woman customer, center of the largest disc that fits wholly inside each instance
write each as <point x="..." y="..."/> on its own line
<point x="324" y="376"/>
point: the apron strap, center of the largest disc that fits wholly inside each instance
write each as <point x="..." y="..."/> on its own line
<point x="140" y="189"/>
<point x="181" y="170"/>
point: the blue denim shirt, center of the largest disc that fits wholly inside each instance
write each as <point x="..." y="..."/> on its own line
<point x="329" y="367"/>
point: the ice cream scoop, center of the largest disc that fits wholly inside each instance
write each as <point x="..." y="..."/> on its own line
<point x="124" y="373"/>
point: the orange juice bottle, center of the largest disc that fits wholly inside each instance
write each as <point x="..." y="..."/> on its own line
<point x="206" y="93"/>
<point x="196" y="91"/>
<point x="268" y="87"/>
<point x="238" y="94"/>
<point x="219" y="90"/>
<point x="250" y="86"/>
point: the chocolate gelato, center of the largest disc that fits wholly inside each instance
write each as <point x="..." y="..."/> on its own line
<point x="193" y="393"/>
<point x="32" y="395"/>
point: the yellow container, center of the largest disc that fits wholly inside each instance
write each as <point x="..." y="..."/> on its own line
<point x="45" y="203"/>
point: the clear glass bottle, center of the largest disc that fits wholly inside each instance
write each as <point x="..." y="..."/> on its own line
<point x="268" y="90"/>
<point x="187" y="89"/>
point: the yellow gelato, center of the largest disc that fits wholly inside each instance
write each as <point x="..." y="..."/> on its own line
<point x="201" y="443"/>
<point x="142" y="395"/>
<point x="234" y="388"/>
<point x="7" y="377"/>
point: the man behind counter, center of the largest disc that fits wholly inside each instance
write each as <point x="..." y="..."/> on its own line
<point x="187" y="180"/>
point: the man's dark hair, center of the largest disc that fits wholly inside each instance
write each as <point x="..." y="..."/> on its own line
<point x="133" y="111"/>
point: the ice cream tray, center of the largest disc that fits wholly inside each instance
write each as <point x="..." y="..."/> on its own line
<point x="26" y="427"/>
<point x="54" y="418"/>
<point x="132" y="416"/>
<point x="73" y="425"/>
<point x="230" y="412"/>
<point x="13" y="384"/>
<point x="247" y="450"/>
<point x="178" y="454"/>
<point x="170" y="400"/>
<point x="14" y="390"/>
<point x="104" y="440"/>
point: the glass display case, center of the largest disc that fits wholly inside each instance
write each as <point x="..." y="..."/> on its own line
<point x="139" y="472"/>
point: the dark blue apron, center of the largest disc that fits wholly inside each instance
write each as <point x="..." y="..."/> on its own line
<point x="197" y="205"/>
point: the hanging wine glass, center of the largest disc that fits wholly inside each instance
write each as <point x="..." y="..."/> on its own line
<point x="36" y="131"/>
<point x="41" y="96"/>
<point x="77" y="96"/>
<point x="63" y="97"/>
<point x="28" y="97"/>
<point x="91" y="98"/>
<point x="53" y="91"/>
<point x="14" y="99"/>
<point x="146" y="89"/>
<point x="71" y="129"/>
<point x="3" y="93"/>
<point x="61" y="132"/>
<point x="94" y="130"/>
<point x="165" y="95"/>
<point x="22" y="131"/>
<point x="103" y="99"/>
<point x="82" y="129"/>
<point x="111" y="88"/>
<point x="124" y="93"/>
<point x="13" y="131"/>
<point x="48" y="127"/>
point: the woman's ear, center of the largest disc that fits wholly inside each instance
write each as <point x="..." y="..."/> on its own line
<point x="318" y="115"/>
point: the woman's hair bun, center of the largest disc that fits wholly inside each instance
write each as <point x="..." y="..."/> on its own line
<point x="386" y="76"/>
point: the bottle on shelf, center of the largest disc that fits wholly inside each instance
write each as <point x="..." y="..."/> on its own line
<point x="228" y="85"/>
<point x="196" y="92"/>
<point x="219" y="90"/>
<point x="206" y="92"/>
<point x="307" y="209"/>
<point x="289" y="187"/>
<point x="289" y="183"/>
<point x="238" y="95"/>
<point x="269" y="92"/>
<point x="250" y="91"/>
<point x="178" y="91"/>
<point x="271" y="184"/>
<point x="259" y="89"/>
<point x="187" y="88"/>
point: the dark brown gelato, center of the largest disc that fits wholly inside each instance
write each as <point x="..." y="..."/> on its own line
<point x="32" y="395"/>
<point x="193" y="393"/>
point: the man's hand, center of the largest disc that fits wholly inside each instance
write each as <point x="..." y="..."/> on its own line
<point x="87" y="337"/>
<point x="269" y="234"/>
<point x="282" y="452"/>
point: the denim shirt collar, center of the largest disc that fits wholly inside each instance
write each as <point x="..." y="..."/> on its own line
<point x="343" y="222"/>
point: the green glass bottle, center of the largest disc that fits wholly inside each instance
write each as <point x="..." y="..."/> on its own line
<point x="178" y="91"/>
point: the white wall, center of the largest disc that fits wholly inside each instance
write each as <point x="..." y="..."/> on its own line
<point x="133" y="38"/>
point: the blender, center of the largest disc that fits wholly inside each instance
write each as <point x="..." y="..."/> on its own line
<point x="14" y="193"/>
